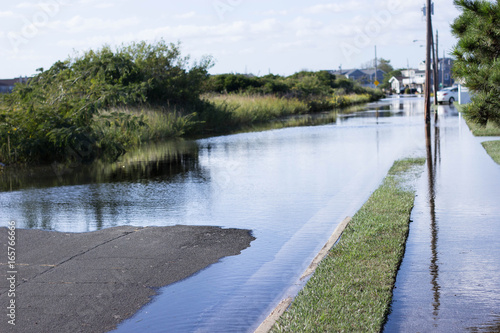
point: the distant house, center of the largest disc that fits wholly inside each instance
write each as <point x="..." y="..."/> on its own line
<point x="445" y="72"/>
<point x="6" y="86"/>
<point x="366" y="77"/>
<point x="415" y="78"/>
<point x="396" y="83"/>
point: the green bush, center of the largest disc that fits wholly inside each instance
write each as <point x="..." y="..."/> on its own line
<point x="62" y="113"/>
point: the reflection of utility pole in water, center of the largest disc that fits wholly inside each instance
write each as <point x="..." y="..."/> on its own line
<point x="431" y="171"/>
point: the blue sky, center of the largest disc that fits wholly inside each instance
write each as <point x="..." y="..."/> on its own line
<point x="281" y="37"/>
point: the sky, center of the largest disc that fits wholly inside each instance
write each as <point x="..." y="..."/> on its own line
<point x="242" y="36"/>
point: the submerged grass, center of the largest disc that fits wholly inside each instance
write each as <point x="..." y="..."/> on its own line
<point x="351" y="289"/>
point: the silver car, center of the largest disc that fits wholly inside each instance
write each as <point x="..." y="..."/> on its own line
<point x="447" y="95"/>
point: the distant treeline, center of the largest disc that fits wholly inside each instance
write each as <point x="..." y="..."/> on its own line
<point x="304" y="84"/>
<point x="100" y="104"/>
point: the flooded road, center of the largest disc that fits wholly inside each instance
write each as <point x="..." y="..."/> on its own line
<point x="290" y="186"/>
<point x="449" y="280"/>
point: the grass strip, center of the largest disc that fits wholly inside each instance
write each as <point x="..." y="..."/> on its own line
<point x="493" y="149"/>
<point x="491" y="129"/>
<point x="351" y="289"/>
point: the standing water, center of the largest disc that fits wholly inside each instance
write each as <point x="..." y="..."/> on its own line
<point x="449" y="280"/>
<point x="291" y="187"/>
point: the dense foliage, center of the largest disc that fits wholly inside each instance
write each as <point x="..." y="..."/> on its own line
<point x="59" y="113"/>
<point x="478" y="57"/>
<point x="102" y="102"/>
<point x="304" y="84"/>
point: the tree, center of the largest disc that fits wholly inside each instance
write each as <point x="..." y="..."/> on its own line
<point x="385" y="65"/>
<point x="62" y="108"/>
<point x="478" y="57"/>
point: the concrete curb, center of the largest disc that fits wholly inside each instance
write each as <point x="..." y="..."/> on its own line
<point x="269" y="322"/>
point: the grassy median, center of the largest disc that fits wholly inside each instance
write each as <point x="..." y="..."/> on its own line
<point x="493" y="149"/>
<point x="351" y="290"/>
<point x="491" y="129"/>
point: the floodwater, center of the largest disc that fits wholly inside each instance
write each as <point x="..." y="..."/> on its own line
<point x="449" y="280"/>
<point x="290" y="186"/>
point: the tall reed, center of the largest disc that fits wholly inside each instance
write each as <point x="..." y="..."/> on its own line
<point x="248" y="109"/>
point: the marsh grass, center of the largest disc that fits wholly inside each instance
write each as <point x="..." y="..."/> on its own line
<point x="249" y="109"/>
<point x="243" y="110"/>
<point x="351" y="290"/>
<point x="132" y="126"/>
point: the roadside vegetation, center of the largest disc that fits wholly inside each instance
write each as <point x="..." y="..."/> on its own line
<point x="491" y="129"/>
<point x="351" y="290"/>
<point x="493" y="149"/>
<point x="477" y="57"/>
<point x="102" y="103"/>
<point x="477" y="64"/>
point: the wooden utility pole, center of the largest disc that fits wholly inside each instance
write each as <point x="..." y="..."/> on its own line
<point x="427" y="107"/>
<point x="435" y="71"/>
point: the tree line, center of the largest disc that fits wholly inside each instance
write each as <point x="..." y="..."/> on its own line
<point x="79" y="108"/>
<point x="477" y="57"/>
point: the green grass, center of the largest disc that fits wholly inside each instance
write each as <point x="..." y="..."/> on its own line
<point x="493" y="149"/>
<point x="115" y="130"/>
<point x="491" y="129"/>
<point x="351" y="290"/>
<point x="159" y="123"/>
<point x="249" y="109"/>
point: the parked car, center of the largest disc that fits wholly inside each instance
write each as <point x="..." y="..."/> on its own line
<point x="447" y="95"/>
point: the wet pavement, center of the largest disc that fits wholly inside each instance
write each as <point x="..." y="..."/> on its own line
<point x="449" y="280"/>
<point x="89" y="282"/>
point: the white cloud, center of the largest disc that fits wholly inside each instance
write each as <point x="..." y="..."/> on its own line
<point x="334" y="7"/>
<point x="185" y="15"/>
<point x="303" y="26"/>
<point x="7" y="14"/>
<point x="275" y="13"/>
<point x="79" y="24"/>
<point x="265" y="26"/>
<point x="89" y="42"/>
<point x="25" y="5"/>
<point x="104" y="5"/>
<point x="293" y="45"/>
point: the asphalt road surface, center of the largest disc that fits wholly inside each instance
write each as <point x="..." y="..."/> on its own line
<point x="90" y="282"/>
